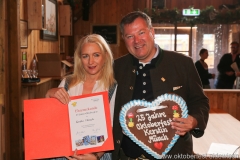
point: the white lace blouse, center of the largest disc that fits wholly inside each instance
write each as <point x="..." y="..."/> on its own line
<point x="78" y="89"/>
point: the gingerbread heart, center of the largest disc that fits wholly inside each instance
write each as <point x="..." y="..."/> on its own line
<point x="148" y="124"/>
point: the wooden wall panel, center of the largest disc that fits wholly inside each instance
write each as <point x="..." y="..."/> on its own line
<point x="232" y="101"/>
<point x="38" y="91"/>
<point x="227" y="101"/>
<point x="197" y="3"/>
<point x="35" y="44"/>
<point x="23" y="11"/>
<point x="219" y="102"/>
<point x="13" y="83"/>
<point x="238" y="106"/>
<point x="24" y="93"/>
<point x="201" y="4"/>
<point x="3" y="49"/>
<point x="141" y="4"/>
<point x="212" y="100"/>
<point x="3" y="52"/>
<point x="2" y="125"/>
<point x="104" y="12"/>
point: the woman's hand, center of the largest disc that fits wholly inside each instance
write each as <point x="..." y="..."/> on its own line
<point x="88" y="156"/>
<point x="83" y="157"/>
<point x="60" y="94"/>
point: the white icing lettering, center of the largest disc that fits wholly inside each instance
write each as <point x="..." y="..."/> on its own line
<point x="155" y="115"/>
<point x="148" y="132"/>
<point x="161" y="123"/>
<point x="154" y="138"/>
<point x="140" y="117"/>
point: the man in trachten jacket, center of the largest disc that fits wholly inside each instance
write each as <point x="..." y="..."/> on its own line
<point x="148" y="72"/>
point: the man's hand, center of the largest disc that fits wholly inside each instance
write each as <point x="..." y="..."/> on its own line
<point x="229" y="73"/>
<point x="183" y="125"/>
<point x="237" y="74"/>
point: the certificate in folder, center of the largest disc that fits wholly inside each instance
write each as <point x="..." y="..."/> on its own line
<point x="52" y="129"/>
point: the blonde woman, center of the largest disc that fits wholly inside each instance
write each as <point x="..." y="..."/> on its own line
<point x="93" y="72"/>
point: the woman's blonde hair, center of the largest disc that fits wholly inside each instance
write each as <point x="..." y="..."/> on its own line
<point x="79" y="74"/>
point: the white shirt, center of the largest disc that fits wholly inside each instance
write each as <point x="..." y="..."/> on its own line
<point x="155" y="55"/>
<point x="78" y="89"/>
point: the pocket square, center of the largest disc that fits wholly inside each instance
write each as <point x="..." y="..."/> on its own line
<point x="176" y="88"/>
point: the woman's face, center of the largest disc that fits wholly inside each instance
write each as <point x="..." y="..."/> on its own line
<point x="92" y="59"/>
<point x="204" y="55"/>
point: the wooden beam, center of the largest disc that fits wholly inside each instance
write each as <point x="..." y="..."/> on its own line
<point x="2" y="78"/>
<point x="13" y="84"/>
<point x="2" y="46"/>
<point x="79" y="13"/>
<point x="2" y="127"/>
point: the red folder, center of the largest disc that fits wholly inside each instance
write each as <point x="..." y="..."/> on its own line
<point x="47" y="128"/>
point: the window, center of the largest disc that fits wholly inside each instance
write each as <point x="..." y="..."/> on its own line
<point x="208" y="43"/>
<point x="165" y="41"/>
<point x="183" y="43"/>
<point x="165" y="38"/>
<point x="215" y="38"/>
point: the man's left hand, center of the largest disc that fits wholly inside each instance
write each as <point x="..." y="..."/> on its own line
<point x="183" y="125"/>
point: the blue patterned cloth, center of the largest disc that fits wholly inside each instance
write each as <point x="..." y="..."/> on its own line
<point x="106" y="156"/>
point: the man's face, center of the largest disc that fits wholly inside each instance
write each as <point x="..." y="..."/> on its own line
<point x="139" y="40"/>
<point x="234" y="48"/>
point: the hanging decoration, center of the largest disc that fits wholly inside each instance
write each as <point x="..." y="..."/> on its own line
<point x="209" y="15"/>
<point x="75" y="4"/>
